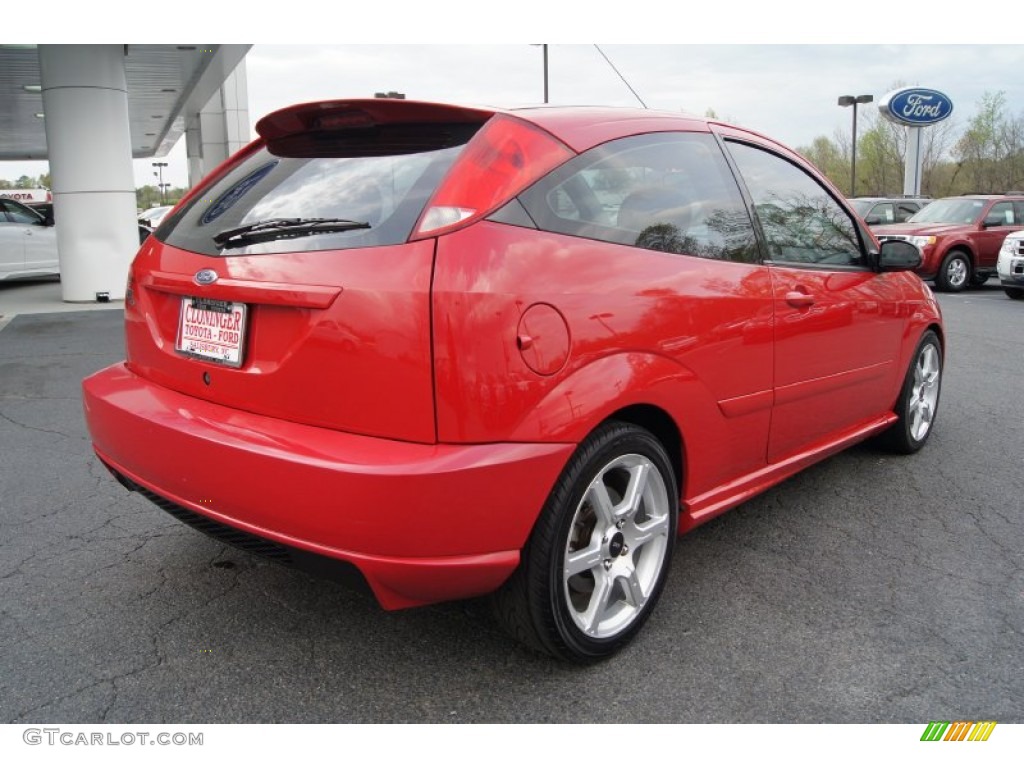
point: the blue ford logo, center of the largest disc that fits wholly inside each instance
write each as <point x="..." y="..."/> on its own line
<point x="916" y="106"/>
<point x="205" y="277"/>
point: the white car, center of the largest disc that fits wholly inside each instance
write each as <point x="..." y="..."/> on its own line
<point x="28" y="242"/>
<point x="1011" y="265"/>
<point x="153" y="216"/>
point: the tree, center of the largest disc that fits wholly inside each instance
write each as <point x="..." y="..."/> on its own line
<point x="990" y="154"/>
<point x="828" y="157"/>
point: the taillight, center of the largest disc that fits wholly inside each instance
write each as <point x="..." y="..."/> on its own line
<point x="505" y="157"/>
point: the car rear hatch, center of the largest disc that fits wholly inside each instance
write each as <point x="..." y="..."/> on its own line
<point x="295" y="281"/>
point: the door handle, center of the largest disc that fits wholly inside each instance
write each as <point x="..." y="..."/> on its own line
<point x="799" y="299"/>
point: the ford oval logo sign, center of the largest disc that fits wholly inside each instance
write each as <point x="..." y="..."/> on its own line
<point x="916" y="106"/>
<point x="205" y="277"/>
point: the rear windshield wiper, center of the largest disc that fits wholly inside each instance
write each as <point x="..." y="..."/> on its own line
<point x="277" y="229"/>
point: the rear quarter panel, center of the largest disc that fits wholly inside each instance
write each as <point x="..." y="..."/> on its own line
<point x="690" y="336"/>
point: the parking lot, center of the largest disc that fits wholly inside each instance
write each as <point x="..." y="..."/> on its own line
<point x="870" y="588"/>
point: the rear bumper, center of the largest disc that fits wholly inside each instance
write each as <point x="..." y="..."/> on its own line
<point x="422" y="523"/>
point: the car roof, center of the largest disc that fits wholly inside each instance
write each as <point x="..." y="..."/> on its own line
<point x="579" y="127"/>
<point x="583" y="127"/>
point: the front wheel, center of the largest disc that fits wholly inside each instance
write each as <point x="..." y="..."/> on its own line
<point x="919" y="398"/>
<point x="600" y="551"/>
<point x="955" y="272"/>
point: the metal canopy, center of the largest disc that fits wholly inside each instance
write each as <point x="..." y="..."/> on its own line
<point x="165" y="82"/>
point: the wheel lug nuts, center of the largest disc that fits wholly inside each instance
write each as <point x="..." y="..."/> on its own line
<point x="619" y="524"/>
<point x="607" y="564"/>
<point x="625" y="548"/>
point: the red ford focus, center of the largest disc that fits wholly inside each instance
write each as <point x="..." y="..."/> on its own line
<point x="461" y="351"/>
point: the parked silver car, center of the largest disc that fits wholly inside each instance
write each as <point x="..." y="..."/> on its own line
<point x="28" y="242"/>
<point x="1010" y="265"/>
<point x="887" y="210"/>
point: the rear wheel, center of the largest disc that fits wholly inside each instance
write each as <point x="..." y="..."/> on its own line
<point x="1015" y="293"/>
<point x="599" y="554"/>
<point x="919" y="398"/>
<point x="954" y="273"/>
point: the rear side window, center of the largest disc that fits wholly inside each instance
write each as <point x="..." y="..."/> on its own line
<point x="378" y="183"/>
<point x="669" y="192"/>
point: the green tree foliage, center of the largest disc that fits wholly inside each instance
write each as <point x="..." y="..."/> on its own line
<point x="990" y="154"/>
<point x="149" y="196"/>
<point x="829" y="159"/>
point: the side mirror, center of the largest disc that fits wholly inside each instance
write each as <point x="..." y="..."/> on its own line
<point x="875" y="219"/>
<point x="48" y="219"/>
<point x="994" y="220"/>
<point x="898" y="256"/>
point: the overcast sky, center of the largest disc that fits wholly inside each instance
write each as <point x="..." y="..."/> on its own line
<point x="787" y="91"/>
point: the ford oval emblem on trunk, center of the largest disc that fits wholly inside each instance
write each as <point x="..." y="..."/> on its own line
<point x="205" y="277"/>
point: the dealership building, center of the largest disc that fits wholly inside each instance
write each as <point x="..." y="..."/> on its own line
<point x="90" y="110"/>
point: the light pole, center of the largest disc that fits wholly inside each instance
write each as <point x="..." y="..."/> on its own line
<point x="544" y="48"/>
<point x="160" y="167"/>
<point x="853" y="101"/>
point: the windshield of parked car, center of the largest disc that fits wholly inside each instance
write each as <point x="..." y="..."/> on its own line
<point x="958" y="210"/>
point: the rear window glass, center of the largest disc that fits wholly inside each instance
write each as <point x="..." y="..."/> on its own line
<point x="379" y="187"/>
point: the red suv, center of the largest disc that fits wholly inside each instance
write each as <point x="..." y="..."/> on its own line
<point x="463" y="351"/>
<point x="959" y="237"/>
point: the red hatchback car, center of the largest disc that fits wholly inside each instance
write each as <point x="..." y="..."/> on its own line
<point x="468" y="351"/>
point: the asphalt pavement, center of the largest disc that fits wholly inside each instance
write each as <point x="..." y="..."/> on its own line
<point x="868" y="589"/>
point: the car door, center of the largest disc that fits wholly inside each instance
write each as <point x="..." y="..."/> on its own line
<point x="838" y="325"/>
<point x="1000" y="221"/>
<point x="39" y="241"/>
<point x="12" y="242"/>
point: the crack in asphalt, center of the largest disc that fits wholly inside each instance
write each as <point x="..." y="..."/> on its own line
<point x="16" y="423"/>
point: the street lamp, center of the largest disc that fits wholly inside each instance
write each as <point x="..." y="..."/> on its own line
<point x="544" y="48"/>
<point x="848" y="101"/>
<point x="160" y="167"/>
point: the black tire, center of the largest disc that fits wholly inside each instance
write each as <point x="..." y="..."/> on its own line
<point x="623" y="553"/>
<point x="954" y="274"/>
<point x="918" y="402"/>
<point x="1015" y="293"/>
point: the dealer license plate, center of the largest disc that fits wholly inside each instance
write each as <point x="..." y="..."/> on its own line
<point x="212" y="330"/>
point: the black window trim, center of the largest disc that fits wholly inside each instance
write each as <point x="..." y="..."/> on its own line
<point x="762" y="240"/>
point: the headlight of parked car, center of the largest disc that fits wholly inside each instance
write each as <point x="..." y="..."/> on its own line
<point x="921" y="241"/>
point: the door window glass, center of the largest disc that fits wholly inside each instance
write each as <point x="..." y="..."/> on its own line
<point x="802" y="222"/>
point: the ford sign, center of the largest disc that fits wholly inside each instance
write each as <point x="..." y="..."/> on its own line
<point x="916" y="106"/>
